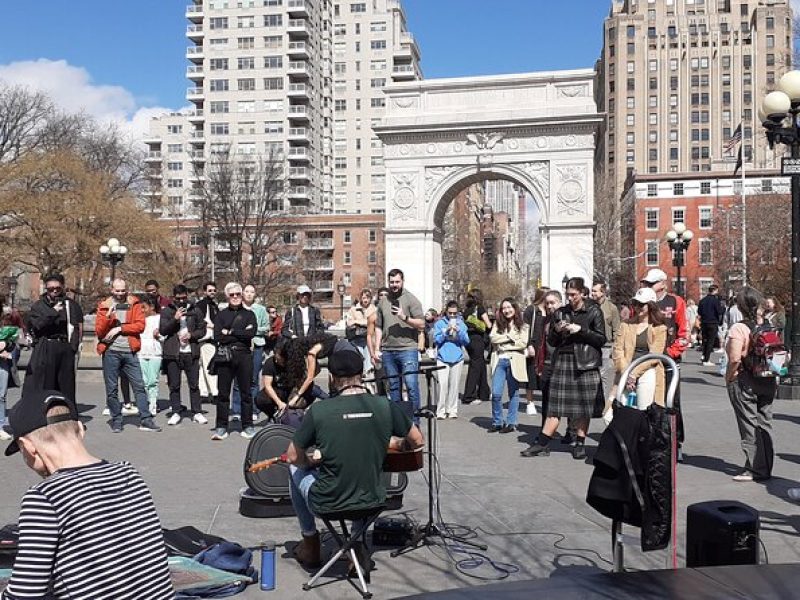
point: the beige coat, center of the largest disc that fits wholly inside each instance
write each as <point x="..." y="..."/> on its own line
<point x="625" y="348"/>
<point x="515" y="351"/>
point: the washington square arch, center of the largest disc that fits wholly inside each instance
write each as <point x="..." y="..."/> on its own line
<point x="535" y="129"/>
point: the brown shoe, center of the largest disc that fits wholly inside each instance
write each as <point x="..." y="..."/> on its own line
<point x="307" y="552"/>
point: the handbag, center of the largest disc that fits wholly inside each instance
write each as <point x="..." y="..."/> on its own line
<point x="223" y="354"/>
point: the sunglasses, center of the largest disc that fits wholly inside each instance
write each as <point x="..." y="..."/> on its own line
<point x="55" y="289"/>
<point x="234" y="294"/>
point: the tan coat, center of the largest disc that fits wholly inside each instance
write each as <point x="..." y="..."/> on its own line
<point x="625" y="347"/>
<point x="515" y="351"/>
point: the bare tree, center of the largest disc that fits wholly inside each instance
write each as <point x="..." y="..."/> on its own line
<point x="242" y="203"/>
<point x="614" y="253"/>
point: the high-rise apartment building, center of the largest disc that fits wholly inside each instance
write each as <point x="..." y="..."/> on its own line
<point x="371" y="48"/>
<point x="268" y="78"/>
<point x="676" y="78"/>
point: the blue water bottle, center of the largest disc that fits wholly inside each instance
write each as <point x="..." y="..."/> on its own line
<point x="632" y="399"/>
<point x="267" y="579"/>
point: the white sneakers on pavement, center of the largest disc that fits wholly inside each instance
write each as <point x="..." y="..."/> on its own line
<point x="200" y="418"/>
<point x="174" y="419"/>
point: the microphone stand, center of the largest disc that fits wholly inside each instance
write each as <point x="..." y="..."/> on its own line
<point x="425" y="535"/>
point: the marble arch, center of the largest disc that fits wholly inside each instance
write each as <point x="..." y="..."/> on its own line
<point x="535" y="129"/>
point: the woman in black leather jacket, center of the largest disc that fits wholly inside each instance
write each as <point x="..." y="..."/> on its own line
<point x="578" y="334"/>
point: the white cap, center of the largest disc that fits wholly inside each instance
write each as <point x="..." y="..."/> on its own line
<point x="654" y="276"/>
<point x="645" y="295"/>
<point x="303" y="289"/>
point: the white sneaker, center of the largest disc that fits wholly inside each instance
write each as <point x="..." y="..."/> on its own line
<point x="475" y="402"/>
<point x="106" y="412"/>
<point x="5" y="436"/>
<point x="708" y="364"/>
<point x="794" y="494"/>
<point x="129" y="410"/>
<point x="174" y="419"/>
<point x="530" y="410"/>
<point x="199" y="418"/>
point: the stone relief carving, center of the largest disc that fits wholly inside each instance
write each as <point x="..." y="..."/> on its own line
<point x="572" y="91"/>
<point x="560" y="142"/>
<point x="404" y="101"/>
<point x="571" y="194"/>
<point x="485" y="144"/>
<point x="404" y="197"/>
<point x="485" y="141"/>
<point x="539" y="171"/>
<point x="433" y="177"/>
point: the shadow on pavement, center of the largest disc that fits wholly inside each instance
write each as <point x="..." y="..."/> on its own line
<point x="711" y="463"/>
<point x="790" y="418"/>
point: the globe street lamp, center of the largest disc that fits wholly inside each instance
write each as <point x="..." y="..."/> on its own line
<point x="679" y="239"/>
<point x="11" y="282"/>
<point x="113" y="253"/>
<point x="341" y="288"/>
<point x="778" y="114"/>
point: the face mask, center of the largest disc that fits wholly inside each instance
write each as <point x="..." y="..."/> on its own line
<point x="6" y="310"/>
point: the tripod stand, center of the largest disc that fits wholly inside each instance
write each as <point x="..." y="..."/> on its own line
<point x="426" y="534"/>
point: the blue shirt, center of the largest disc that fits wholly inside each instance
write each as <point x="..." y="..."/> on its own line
<point x="449" y="345"/>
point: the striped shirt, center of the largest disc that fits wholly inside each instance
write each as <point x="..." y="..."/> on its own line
<point x="90" y="532"/>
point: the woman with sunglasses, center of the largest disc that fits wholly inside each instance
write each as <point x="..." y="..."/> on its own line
<point x="645" y="332"/>
<point x="234" y="329"/>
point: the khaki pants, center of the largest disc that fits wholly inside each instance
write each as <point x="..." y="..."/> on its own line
<point x="208" y="382"/>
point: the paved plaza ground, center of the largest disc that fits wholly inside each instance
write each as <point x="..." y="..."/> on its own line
<point x="530" y="512"/>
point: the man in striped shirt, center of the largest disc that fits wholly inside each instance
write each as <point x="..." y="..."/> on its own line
<point x="90" y="529"/>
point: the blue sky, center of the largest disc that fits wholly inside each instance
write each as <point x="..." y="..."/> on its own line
<point x="129" y="55"/>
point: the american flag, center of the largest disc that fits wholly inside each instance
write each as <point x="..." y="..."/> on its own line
<point x="734" y="139"/>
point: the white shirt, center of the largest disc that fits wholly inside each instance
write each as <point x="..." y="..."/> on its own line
<point x="306" y="322"/>
<point x="151" y="347"/>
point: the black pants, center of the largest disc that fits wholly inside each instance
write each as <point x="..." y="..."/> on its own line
<point x="51" y="367"/>
<point x="709" y="333"/>
<point x="545" y="387"/>
<point x="191" y="366"/>
<point x="477" y="385"/>
<point x="241" y="369"/>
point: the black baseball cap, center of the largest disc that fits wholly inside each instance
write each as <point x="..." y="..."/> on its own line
<point x="30" y="414"/>
<point x="345" y="360"/>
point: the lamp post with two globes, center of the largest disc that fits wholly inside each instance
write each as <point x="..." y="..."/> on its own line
<point x="679" y="239"/>
<point x="778" y="114"/>
<point x="113" y="253"/>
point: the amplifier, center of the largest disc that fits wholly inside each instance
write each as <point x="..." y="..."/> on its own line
<point x="392" y="531"/>
<point x="721" y="532"/>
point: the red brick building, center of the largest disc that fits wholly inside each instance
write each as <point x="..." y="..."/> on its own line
<point x="712" y="207"/>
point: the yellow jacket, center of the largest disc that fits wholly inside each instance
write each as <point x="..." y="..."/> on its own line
<point x="625" y="348"/>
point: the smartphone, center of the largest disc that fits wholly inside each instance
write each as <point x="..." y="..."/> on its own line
<point x="395" y="306"/>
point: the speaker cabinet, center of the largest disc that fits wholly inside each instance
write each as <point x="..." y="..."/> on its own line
<point x="721" y="532"/>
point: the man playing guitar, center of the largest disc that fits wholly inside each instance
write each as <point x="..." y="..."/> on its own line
<point x="351" y="432"/>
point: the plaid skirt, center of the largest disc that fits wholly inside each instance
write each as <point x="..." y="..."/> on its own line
<point x="572" y="392"/>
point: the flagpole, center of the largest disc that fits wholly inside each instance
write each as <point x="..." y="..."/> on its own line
<point x="744" y="212"/>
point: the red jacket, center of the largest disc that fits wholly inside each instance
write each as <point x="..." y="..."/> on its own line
<point x="681" y="339"/>
<point x="106" y="320"/>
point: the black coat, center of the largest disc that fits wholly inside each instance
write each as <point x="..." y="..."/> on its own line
<point x="43" y="321"/>
<point x="169" y="328"/>
<point x="586" y="343"/>
<point x="293" y="323"/>
<point x="241" y="325"/>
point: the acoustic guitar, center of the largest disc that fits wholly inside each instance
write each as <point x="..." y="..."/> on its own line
<point x="396" y="461"/>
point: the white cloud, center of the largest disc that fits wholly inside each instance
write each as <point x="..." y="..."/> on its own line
<point x="73" y="90"/>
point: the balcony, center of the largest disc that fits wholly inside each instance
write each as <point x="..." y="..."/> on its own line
<point x="298" y="50"/>
<point x="404" y="72"/>
<point x="297" y="28"/>
<point x="299" y="154"/>
<point x="195" y="115"/>
<point x="324" y="285"/>
<point x="298" y="68"/>
<point x="319" y="265"/>
<point x="194" y="12"/>
<point x="300" y="192"/>
<point x="298" y="112"/>
<point x="153" y="157"/>
<point x="195" y="72"/>
<point x="297" y="8"/>
<point x="195" y="54"/>
<point x="197" y="136"/>
<point x="194" y="92"/>
<point x="194" y="32"/>
<point x="299" y="173"/>
<point x="298" y="134"/>
<point x="298" y="90"/>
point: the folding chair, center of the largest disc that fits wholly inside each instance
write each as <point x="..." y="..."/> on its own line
<point x="346" y="540"/>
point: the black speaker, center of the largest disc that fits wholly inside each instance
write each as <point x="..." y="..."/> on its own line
<point x="721" y="532"/>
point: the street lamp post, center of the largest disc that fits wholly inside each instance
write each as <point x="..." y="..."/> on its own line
<point x="11" y="282"/>
<point x="679" y="239"/>
<point x="341" y="288"/>
<point x="778" y="114"/>
<point x="564" y="282"/>
<point x="113" y="253"/>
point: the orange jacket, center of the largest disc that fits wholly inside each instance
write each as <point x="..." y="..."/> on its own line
<point x="106" y="320"/>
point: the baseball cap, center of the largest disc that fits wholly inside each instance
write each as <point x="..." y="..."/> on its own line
<point x="30" y="414"/>
<point x="645" y="295"/>
<point x="345" y="360"/>
<point x="654" y="276"/>
<point x="303" y="289"/>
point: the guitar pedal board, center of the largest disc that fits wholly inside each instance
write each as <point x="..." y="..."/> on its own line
<point x="392" y="531"/>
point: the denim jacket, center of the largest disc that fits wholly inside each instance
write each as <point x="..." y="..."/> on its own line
<point x="450" y="347"/>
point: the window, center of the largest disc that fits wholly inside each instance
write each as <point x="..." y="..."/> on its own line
<point x="651" y="219"/>
<point x="218" y="85"/>
<point x="705" y="188"/>
<point x="174" y="183"/>
<point x="340" y="105"/>
<point x="218" y="64"/>
<point x="348" y="259"/>
<point x="373" y="236"/>
<point x="273" y="83"/>
<point x="677" y="189"/>
<point x="196" y="239"/>
<point x="218" y="106"/>
<point x="219" y="129"/>
<point x="378" y="44"/>
<point x="273" y="127"/>
<point x="377" y="65"/>
<point x="340" y="162"/>
<point x="372" y="257"/>
<point x="651" y="253"/>
<point x="766" y="185"/>
<point x="679" y="215"/>
<point x="347" y="237"/>
<point x="245" y="63"/>
<point x="289" y="237"/>
<point x="174" y="166"/>
<point x="269" y="105"/>
<point x="174" y="128"/>
<point x="246" y="22"/>
<point x="704" y="252"/>
<point x="218" y="23"/>
<point x="705" y="214"/>
<point x="377" y="102"/>
<point x="630" y="120"/>
<point x="630" y="102"/>
<point x="359" y="7"/>
<point x="174" y="147"/>
<point x="631" y="31"/>
<point x="273" y="20"/>
<point x="246" y="43"/>
<point x="273" y="62"/>
<point x="246" y="85"/>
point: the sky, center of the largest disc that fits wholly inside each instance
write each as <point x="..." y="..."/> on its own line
<point x="124" y="60"/>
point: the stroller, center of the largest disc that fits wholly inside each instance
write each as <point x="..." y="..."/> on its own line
<point x="635" y="469"/>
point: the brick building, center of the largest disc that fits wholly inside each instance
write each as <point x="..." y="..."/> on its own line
<point x="712" y="207"/>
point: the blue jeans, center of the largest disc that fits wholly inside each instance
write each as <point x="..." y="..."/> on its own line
<point x="126" y="362"/>
<point x="502" y="374"/>
<point x="5" y="376"/>
<point x="236" y="399"/>
<point x="396" y="362"/>
<point x="300" y="482"/>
